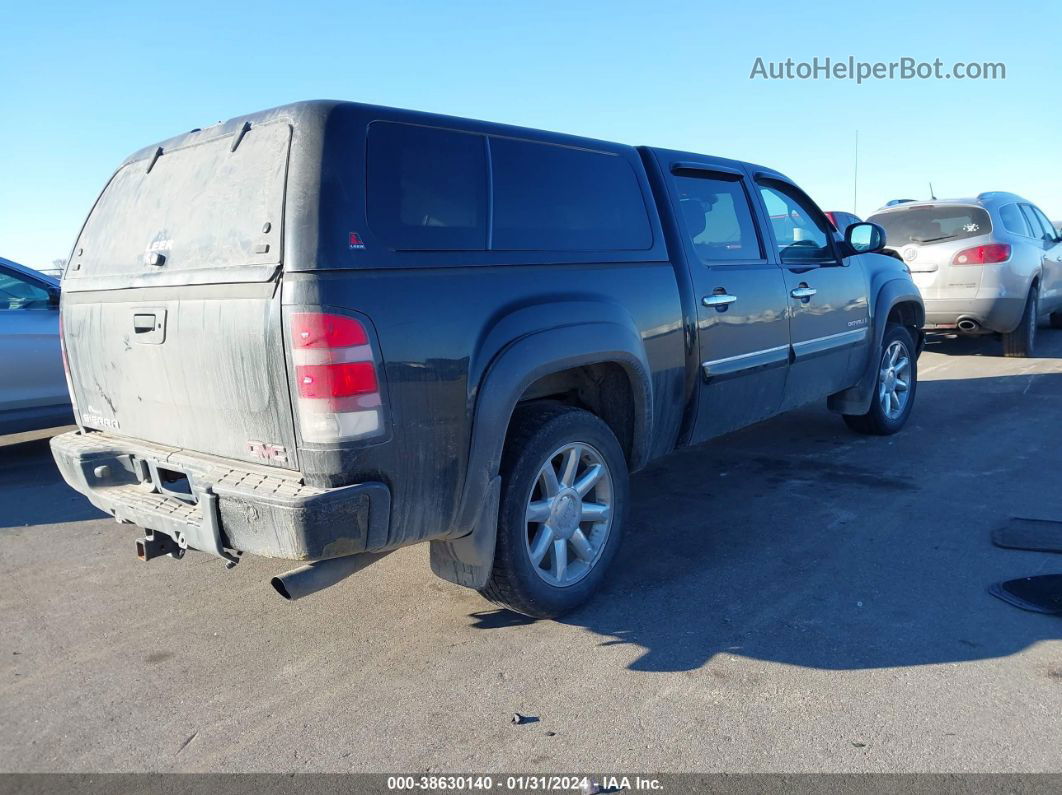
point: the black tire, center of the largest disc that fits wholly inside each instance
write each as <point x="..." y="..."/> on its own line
<point x="876" y="421"/>
<point x="535" y="433"/>
<point x="1056" y="320"/>
<point x="1021" y="343"/>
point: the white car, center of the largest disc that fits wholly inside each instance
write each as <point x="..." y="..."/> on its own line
<point x="33" y="391"/>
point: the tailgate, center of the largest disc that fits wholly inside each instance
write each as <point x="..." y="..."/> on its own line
<point x="171" y="305"/>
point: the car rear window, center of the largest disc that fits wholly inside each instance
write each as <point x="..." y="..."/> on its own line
<point x="205" y="205"/>
<point x="932" y="223"/>
<point x="559" y="198"/>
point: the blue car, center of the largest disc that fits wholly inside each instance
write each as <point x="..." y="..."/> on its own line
<point x="33" y="391"/>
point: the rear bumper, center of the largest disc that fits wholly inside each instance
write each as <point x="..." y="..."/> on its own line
<point x="254" y="510"/>
<point x="991" y="314"/>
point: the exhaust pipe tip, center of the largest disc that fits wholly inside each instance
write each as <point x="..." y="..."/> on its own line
<point x="321" y="574"/>
<point x="968" y="325"/>
<point x="278" y="586"/>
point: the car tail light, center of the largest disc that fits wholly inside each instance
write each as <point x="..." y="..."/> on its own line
<point x="983" y="255"/>
<point x="336" y="381"/>
<point x="62" y="347"/>
<point x="66" y="363"/>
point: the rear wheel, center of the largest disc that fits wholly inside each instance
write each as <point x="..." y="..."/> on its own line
<point x="564" y="494"/>
<point x="1021" y="343"/>
<point x="894" y="392"/>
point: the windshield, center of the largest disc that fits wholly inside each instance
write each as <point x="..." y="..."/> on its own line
<point x="932" y="223"/>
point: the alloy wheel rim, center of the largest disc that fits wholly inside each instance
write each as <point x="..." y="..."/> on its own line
<point x="894" y="379"/>
<point x="569" y="514"/>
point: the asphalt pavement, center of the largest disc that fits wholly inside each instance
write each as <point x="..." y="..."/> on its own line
<point x="789" y="598"/>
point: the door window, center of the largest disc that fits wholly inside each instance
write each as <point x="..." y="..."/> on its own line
<point x="20" y="292"/>
<point x="1014" y="221"/>
<point x="718" y="219"/>
<point x="801" y="231"/>
<point x="1048" y="233"/>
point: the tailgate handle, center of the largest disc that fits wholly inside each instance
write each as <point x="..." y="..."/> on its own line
<point x="149" y="325"/>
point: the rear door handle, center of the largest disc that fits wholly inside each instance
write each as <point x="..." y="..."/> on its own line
<point x="803" y="293"/>
<point x="143" y="323"/>
<point x="719" y="300"/>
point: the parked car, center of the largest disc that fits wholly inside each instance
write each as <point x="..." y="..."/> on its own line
<point x="842" y="220"/>
<point x="33" y="390"/>
<point x="374" y="327"/>
<point x="990" y="264"/>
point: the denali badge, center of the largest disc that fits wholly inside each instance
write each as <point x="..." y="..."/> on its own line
<point x="268" y="452"/>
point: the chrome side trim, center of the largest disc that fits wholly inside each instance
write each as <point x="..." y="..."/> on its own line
<point x="831" y="343"/>
<point x="730" y="366"/>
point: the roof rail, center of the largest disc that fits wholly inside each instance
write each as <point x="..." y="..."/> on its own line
<point x="997" y="194"/>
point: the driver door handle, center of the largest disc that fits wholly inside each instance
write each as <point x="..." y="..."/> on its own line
<point x="718" y="300"/>
<point x="803" y="292"/>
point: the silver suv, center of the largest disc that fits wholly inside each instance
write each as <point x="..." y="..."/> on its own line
<point x="992" y="264"/>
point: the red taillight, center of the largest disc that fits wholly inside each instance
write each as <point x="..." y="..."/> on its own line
<point x="336" y="380"/>
<point x="317" y="330"/>
<point x="983" y="255"/>
<point x="62" y="346"/>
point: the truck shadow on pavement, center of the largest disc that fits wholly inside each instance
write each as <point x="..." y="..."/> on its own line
<point x="988" y="346"/>
<point x="34" y="493"/>
<point x="798" y="542"/>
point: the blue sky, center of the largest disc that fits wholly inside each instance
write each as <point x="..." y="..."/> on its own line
<point x="82" y="85"/>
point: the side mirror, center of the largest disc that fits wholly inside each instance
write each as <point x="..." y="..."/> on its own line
<point x="53" y="296"/>
<point x="865" y="238"/>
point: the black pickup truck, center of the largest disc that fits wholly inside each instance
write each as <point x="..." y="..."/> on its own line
<point x="329" y="330"/>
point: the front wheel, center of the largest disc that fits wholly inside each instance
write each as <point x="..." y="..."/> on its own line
<point x="1021" y="343"/>
<point x="894" y="391"/>
<point x="564" y="495"/>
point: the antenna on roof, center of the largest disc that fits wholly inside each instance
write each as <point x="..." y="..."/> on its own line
<point x="932" y="195"/>
<point x="855" y="175"/>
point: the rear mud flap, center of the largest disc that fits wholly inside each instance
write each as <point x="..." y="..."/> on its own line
<point x="468" y="560"/>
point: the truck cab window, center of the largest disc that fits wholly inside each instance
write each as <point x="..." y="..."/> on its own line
<point x="800" y="231"/>
<point x="718" y="219"/>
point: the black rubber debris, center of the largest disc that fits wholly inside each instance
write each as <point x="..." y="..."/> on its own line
<point x="1038" y="535"/>
<point x="1042" y="594"/>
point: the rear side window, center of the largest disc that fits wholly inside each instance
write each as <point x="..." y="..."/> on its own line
<point x="933" y="223"/>
<point x="1013" y="220"/>
<point x="558" y="198"/>
<point x="718" y="220"/>
<point x="427" y="188"/>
